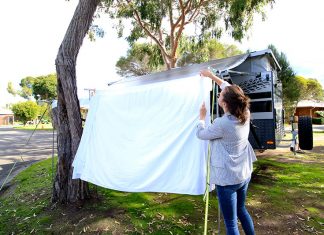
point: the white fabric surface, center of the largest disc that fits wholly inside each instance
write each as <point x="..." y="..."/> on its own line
<point x="142" y="138"/>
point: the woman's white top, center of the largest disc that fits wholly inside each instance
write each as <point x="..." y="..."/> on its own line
<point x="232" y="155"/>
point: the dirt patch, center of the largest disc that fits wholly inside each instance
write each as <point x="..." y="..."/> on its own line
<point x="284" y="155"/>
<point x="7" y="190"/>
<point x="262" y="175"/>
<point x="318" y="149"/>
<point x="86" y="218"/>
<point x="267" y="222"/>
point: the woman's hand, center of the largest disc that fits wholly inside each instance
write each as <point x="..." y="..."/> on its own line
<point x="206" y="73"/>
<point x="209" y="74"/>
<point x="203" y="111"/>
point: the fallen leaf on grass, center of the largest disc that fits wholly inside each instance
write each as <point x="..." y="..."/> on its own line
<point x="183" y="221"/>
<point x="79" y="222"/>
<point x="300" y="218"/>
<point x="258" y="216"/>
<point x="160" y="216"/>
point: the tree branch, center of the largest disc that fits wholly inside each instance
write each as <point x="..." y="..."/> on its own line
<point x="181" y="27"/>
<point x="196" y="12"/>
<point x="171" y="25"/>
<point x="139" y="20"/>
<point x="160" y="44"/>
<point x="186" y="11"/>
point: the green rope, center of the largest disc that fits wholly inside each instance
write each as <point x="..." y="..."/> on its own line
<point x="206" y="195"/>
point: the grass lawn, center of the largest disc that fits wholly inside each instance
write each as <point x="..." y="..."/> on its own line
<point x="286" y="196"/>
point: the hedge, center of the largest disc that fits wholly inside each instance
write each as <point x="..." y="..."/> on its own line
<point x="318" y="120"/>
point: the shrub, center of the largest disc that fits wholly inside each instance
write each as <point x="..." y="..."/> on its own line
<point x="321" y="113"/>
<point x="318" y="120"/>
<point x="25" y="111"/>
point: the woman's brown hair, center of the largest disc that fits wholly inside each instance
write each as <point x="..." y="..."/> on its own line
<point x="237" y="103"/>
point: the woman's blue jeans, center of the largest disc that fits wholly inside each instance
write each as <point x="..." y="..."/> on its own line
<point x="232" y="203"/>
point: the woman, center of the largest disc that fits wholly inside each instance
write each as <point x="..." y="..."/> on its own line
<point x="232" y="155"/>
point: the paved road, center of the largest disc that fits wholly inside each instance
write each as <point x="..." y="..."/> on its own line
<point x="13" y="148"/>
<point x="318" y="127"/>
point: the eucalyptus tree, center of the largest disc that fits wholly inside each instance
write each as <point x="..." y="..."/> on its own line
<point x="26" y="85"/>
<point x="145" y="58"/>
<point x="308" y="89"/>
<point x="41" y="87"/>
<point x="141" y="59"/>
<point x="26" y="90"/>
<point x="44" y="87"/>
<point x="314" y="90"/>
<point x="69" y="129"/>
<point x="163" y="21"/>
<point x="10" y="89"/>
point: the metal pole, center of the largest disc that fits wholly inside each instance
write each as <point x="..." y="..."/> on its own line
<point x="53" y="157"/>
<point x="89" y="91"/>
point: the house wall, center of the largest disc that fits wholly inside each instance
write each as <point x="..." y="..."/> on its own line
<point x="308" y="111"/>
<point x="6" y="119"/>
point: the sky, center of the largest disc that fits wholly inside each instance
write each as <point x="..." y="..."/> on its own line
<point x="32" y="31"/>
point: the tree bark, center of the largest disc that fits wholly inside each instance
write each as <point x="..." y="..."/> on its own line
<point x="69" y="129"/>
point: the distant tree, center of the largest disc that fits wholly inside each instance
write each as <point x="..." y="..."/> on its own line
<point x="286" y="75"/>
<point x="302" y="88"/>
<point x="145" y="58"/>
<point x="25" y="111"/>
<point x="26" y="85"/>
<point x="44" y="109"/>
<point x="320" y="113"/>
<point x="314" y="90"/>
<point x="295" y="88"/>
<point x="44" y="87"/>
<point x="290" y="86"/>
<point x="10" y="89"/>
<point x="41" y="87"/>
<point x="164" y="21"/>
<point x="192" y="50"/>
<point x="307" y="89"/>
<point x="141" y="59"/>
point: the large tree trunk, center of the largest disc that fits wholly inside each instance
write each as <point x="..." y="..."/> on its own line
<point x="69" y="129"/>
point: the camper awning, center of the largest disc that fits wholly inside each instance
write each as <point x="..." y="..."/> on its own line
<point x="183" y="72"/>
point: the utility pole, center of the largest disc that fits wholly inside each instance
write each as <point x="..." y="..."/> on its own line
<point x="91" y="91"/>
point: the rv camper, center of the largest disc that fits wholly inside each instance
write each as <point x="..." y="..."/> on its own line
<point x="256" y="74"/>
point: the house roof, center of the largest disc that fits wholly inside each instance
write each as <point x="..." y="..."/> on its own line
<point x="5" y="112"/>
<point x="310" y="103"/>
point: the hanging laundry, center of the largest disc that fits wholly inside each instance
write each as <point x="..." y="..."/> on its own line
<point x="142" y="138"/>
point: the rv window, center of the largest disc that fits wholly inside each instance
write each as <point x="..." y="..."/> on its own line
<point x="261" y="106"/>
